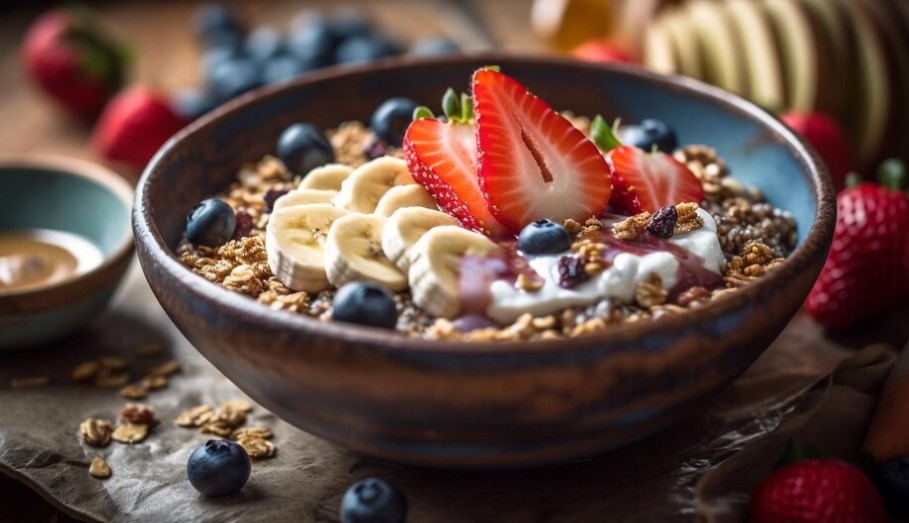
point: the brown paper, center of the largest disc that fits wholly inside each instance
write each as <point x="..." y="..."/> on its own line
<point x="653" y="480"/>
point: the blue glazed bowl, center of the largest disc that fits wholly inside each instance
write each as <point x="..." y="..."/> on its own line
<point x="60" y="194"/>
<point x="455" y="404"/>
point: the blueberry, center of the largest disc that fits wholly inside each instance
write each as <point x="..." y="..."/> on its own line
<point x="434" y="46"/>
<point x="210" y="223"/>
<point x="348" y="23"/>
<point x="218" y="467"/>
<point x="544" y="237"/>
<point x="302" y="147"/>
<point x="215" y="21"/>
<point x="363" y="49"/>
<point x="313" y="43"/>
<point x="193" y="103"/>
<point x="390" y="120"/>
<point x="893" y="485"/>
<point x="650" y="133"/>
<point x="264" y="43"/>
<point x="232" y="78"/>
<point x="283" y="68"/>
<point x="365" y="303"/>
<point x="373" y="500"/>
<point x="217" y="56"/>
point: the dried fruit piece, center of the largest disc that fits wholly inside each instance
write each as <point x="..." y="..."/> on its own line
<point x="243" y="225"/>
<point x="138" y="414"/>
<point x="129" y="433"/>
<point x="571" y="272"/>
<point x="99" y="468"/>
<point x="663" y="222"/>
<point x="96" y="432"/>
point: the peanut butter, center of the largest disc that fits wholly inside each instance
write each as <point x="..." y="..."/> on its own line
<point x="36" y="258"/>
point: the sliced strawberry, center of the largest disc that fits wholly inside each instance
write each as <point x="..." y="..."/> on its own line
<point x="442" y="157"/>
<point x="645" y="181"/>
<point x="533" y="164"/>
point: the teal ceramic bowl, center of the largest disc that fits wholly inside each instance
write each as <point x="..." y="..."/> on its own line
<point x="458" y="404"/>
<point x="69" y="196"/>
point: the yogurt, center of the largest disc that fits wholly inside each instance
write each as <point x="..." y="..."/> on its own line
<point x="618" y="282"/>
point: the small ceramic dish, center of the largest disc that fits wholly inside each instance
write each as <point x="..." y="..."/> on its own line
<point x="81" y="206"/>
<point x="476" y="404"/>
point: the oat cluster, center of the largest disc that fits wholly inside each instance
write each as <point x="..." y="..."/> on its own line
<point x="227" y="421"/>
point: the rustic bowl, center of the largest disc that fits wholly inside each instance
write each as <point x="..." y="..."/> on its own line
<point x="455" y="404"/>
<point x="69" y="195"/>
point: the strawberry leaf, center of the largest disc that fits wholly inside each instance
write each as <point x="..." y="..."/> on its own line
<point x="603" y="135"/>
<point x="451" y="105"/>
<point x="892" y="174"/>
<point x="796" y="451"/>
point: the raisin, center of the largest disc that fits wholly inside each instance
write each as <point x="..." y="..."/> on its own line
<point x="662" y="223"/>
<point x="270" y="197"/>
<point x="571" y="272"/>
<point x="375" y="148"/>
<point x="244" y="225"/>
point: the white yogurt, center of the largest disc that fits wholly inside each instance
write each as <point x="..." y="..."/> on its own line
<point x="618" y="281"/>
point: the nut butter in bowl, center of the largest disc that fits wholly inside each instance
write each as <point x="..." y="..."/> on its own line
<point x="64" y="245"/>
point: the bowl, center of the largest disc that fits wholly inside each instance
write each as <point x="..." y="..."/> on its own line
<point x="477" y="405"/>
<point x="63" y="197"/>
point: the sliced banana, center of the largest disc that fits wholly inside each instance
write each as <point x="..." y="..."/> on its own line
<point x="295" y="243"/>
<point x="410" y="195"/>
<point x="327" y="178"/>
<point x="435" y="271"/>
<point x="303" y="197"/>
<point x="363" y="189"/>
<point x="353" y="252"/>
<point x="405" y="227"/>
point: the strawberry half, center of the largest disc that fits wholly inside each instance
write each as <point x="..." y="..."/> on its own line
<point x="532" y="163"/>
<point x="442" y="157"/>
<point x="645" y="181"/>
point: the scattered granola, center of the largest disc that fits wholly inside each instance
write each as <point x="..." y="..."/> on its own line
<point x="99" y="468"/>
<point x="112" y="381"/>
<point x="129" y="433"/>
<point x="149" y="351"/>
<point x="650" y="292"/>
<point x="195" y="416"/>
<point x="165" y="369"/>
<point x="238" y="406"/>
<point x="257" y="448"/>
<point x="134" y="392"/>
<point x="96" y="432"/>
<point x="631" y="227"/>
<point x="252" y="432"/>
<point x="86" y="371"/>
<point x="29" y="382"/>
<point x="138" y="414"/>
<point x="153" y="382"/>
<point x="687" y="218"/>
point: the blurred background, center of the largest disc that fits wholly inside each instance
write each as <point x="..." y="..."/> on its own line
<point x="837" y="69"/>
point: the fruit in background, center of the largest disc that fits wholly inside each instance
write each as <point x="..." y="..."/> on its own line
<point x="567" y="23"/>
<point x="390" y="120"/>
<point x="373" y="500"/>
<point x="365" y="303"/>
<point x="603" y="50"/>
<point x="817" y="491"/>
<point x="190" y="104"/>
<point x="218" y="26"/>
<point x="362" y="49"/>
<point x="211" y="223"/>
<point x="828" y="139"/>
<point x="893" y="485"/>
<point x="648" y="134"/>
<point x="71" y="61"/>
<point x="134" y="125"/>
<point x="433" y="46"/>
<point x="534" y="164"/>
<point x="648" y="181"/>
<point x="302" y="147"/>
<point x="867" y="270"/>
<point x="231" y="78"/>
<point x="218" y="468"/>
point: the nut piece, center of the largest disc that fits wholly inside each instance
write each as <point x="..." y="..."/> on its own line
<point x="572" y="226"/>
<point x="99" y="468"/>
<point x="154" y="382"/>
<point x="111" y="381"/>
<point x="688" y="218"/>
<point x="252" y="432"/>
<point x="134" y="392"/>
<point x="631" y="227"/>
<point x="195" y="416"/>
<point x="96" y="432"/>
<point x="257" y="448"/>
<point x="138" y="414"/>
<point x="217" y="428"/>
<point x="166" y="369"/>
<point x="112" y="364"/>
<point x="528" y="284"/>
<point x="86" y="371"/>
<point x="650" y="292"/>
<point x="129" y="433"/>
<point x="243" y="406"/>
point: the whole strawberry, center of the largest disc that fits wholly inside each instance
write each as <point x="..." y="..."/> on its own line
<point x="817" y="491"/>
<point x="134" y="125"/>
<point x="828" y="139"/>
<point x="867" y="270"/>
<point x="72" y="62"/>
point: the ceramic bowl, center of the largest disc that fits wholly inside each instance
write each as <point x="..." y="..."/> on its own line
<point x="454" y="404"/>
<point x="61" y="194"/>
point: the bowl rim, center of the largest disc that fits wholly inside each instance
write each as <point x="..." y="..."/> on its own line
<point x="48" y="296"/>
<point x="815" y="243"/>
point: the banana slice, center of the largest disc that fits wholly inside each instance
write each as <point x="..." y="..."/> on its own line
<point x="405" y="227"/>
<point x="410" y="195"/>
<point x="353" y="252"/>
<point x="435" y="271"/>
<point x="295" y="244"/>
<point x="368" y="183"/>
<point x="327" y="178"/>
<point x="303" y="197"/>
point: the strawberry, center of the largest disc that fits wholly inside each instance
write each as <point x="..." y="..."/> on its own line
<point x="134" y="125"/>
<point x="644" y="181"/>
<point x="867" y="269"/>
<point x="603" y="51"/>
<point x="73" y="63"/>
<point x="442" y="157"/>
<point x="817" y="491"/>
<point x="532" y="163"/>
<point x="827" y="138"/>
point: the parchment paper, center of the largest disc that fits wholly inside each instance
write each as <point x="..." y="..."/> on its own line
<point x="650" y="481"/>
